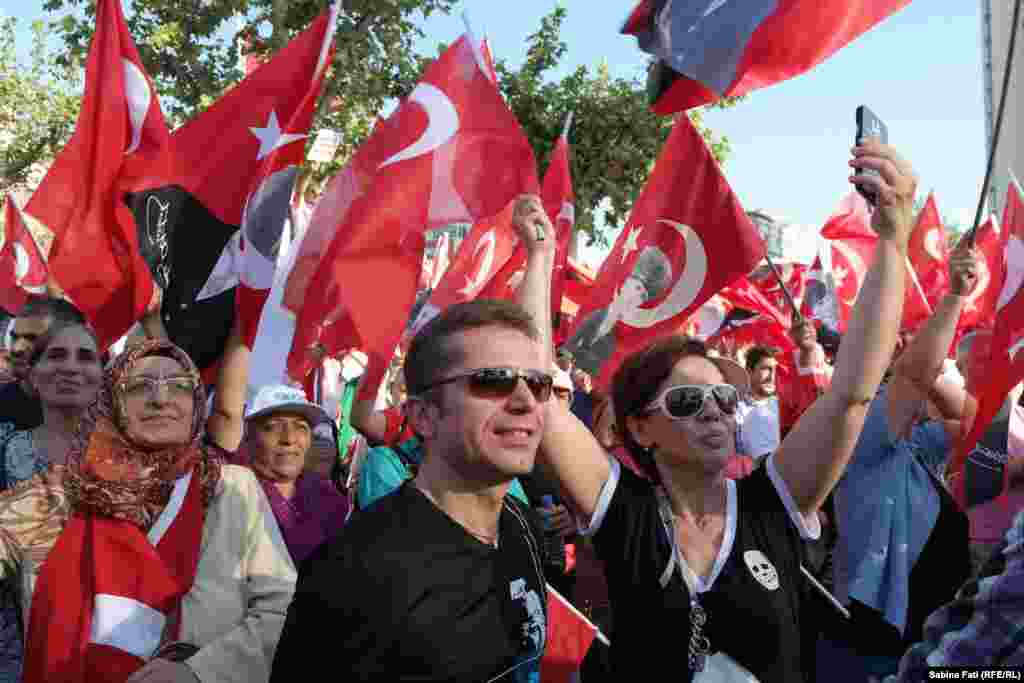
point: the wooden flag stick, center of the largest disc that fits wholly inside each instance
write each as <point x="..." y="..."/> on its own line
<point x="970" y="236"/>
<point x="797" y="318"/>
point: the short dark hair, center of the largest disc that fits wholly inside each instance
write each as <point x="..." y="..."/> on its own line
<point x="756" y="354"/>
<point x="45" y="339"/>
<point x="431" y="352"/>
<point x="60" y="310"/>
<point x="636" y="383"/>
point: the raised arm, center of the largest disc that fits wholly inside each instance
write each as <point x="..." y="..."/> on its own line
<point x="921" y="363"/>
<point x="568" y="449"/>
<point x="368" y="421"/>
<point x="814" y="454"/>
<point x="225" y="424"/>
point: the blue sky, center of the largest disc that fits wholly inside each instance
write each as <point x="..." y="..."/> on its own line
<point x="920" y="71"/>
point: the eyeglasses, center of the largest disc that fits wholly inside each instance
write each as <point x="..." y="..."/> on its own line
<point x="501" y="382"/>
<point x="688" y="400"/>
<point x="144" y="387"/>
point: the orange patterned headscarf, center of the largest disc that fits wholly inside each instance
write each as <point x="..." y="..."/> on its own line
<point x="110" y="476"/>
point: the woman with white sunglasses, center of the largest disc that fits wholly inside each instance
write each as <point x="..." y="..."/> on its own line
<point x="704" y="573"/>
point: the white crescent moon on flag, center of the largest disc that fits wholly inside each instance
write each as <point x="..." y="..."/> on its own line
<point x="686" y="288"/>
<point x="1014" y="271"/>
<point x="21" y="263"/>
<point x="856" y="263"/>
<point x="984" y="280"/>
<point x="442" y="123"/>
<point x="138" y="98"/>
<point x="488" y="242"/>
<point x="932" y="244"/>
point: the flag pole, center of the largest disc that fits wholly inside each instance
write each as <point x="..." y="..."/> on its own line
<point x="797" y="317"/>
<point x="1011" y="52"/>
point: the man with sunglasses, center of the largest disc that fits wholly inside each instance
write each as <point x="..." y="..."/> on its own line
<point x="443" y="579"/>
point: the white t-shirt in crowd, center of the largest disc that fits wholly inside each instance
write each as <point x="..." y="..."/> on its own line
<point x="758" y="424"/>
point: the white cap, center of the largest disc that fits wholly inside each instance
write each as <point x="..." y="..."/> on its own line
<point x="276" y="398"/>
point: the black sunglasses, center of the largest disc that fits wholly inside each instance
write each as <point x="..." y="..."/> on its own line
<point x="501" y="382"/>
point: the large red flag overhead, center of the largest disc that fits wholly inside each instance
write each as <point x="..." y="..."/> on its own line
<point x="22" y="267"/>
<point x="1001" y="368"/>
<point x="686" y="238"/>
<point x="708" y="49"/>
<point x="453" y="152"/>
<point x="212" y="235"/>
<point x="120" y="145"/>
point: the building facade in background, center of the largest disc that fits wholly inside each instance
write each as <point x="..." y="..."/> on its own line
<point x="996" y="22"/>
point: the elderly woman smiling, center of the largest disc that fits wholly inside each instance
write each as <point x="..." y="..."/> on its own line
<point x="156" y="562"/>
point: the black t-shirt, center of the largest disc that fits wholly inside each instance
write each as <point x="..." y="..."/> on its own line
<point x="404" y="593"/>
<point x="18" y="410"/>
<point x="752" y="606"/>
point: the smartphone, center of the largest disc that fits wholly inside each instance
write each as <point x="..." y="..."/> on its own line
<point x="869" y="126"/>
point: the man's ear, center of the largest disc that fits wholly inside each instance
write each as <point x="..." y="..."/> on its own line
<point x="423" y="416"/>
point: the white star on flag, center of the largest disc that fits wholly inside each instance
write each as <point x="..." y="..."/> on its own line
<point x="271" y="137"/>
<point x="631" y="244"/>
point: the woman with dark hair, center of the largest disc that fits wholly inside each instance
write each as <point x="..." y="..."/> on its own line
<point x="705" y="573"/>
<point x="65" y="373"/>
<point x="180" y="572"/>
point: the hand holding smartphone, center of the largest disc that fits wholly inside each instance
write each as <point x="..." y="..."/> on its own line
<point x="869" y="126"/>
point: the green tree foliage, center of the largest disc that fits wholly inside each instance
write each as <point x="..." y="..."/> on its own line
<point x="39" y="101"/>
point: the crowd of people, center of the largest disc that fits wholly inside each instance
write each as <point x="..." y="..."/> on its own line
<point x="716" y="521"/>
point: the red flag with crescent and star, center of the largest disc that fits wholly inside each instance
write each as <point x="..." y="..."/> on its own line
<point x="452" y="152"/>
<point x="980" y="306"/>
<point x="557" y="198"/>
<point x="120" y="145"/>
<point x="928" y="252"/>
<point x="481" y="259"/>
<point x="23" y="270"/>
<point x="212" y="235"/>
<point x="853" y="252"/>
<point x="1001" y="367"/>
<point x="686" y="238"/>
<point x="794" y="275"/>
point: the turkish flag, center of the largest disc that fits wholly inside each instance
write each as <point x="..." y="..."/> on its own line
<point x="106" y="622"/>
<point x="569" y="636"/>
<point x="481" y="258"/>
<point x="211" y="236"/>
<point x="1001" y="368"/>
<point x="709" y="318"/>
<point x="743" y="328"/>
<point x="743" y="294"/>
<point x="853" y="253"/>
<point x="23" y="270"/>
<point x="452" y="152"/>
<point x="686" y="238"/>
<point x="120" y="145"/>
<point x="928" y="252"/>
<point x="708" y="49"/>
<point x="557" y="198"/>
<point x="793" y="275"/>
<point x="980" y="306"/>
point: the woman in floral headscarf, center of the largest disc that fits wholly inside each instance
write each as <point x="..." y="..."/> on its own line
<point x="153" y="560"/>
